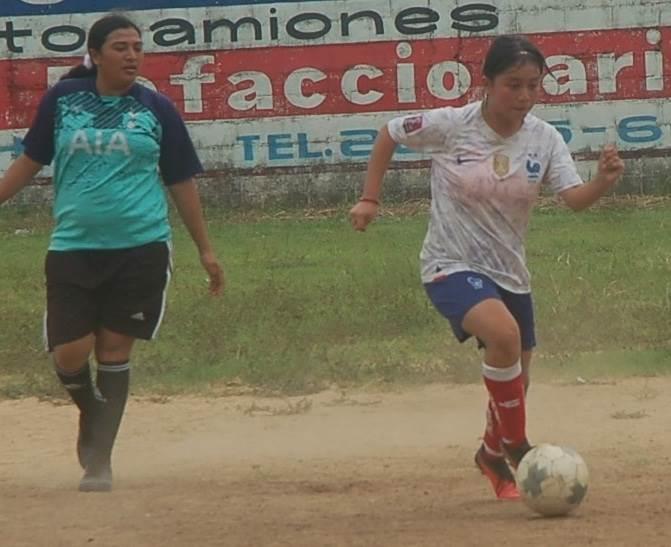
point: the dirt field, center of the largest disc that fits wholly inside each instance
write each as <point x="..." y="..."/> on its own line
<point x="361" y="469"/>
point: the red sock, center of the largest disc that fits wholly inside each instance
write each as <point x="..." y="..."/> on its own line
<point x="506" y="389"/>
<point x="492" y="437"/>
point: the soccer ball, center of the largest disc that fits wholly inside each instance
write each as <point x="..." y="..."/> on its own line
<point x="552" y="480"/>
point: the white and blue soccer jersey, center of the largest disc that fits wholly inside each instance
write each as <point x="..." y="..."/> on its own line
<point x="483" y="187"/>
<point x="112" y="155"/>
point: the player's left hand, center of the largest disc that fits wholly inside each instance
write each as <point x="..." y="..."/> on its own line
<point x="610" y="166"/>
<point x="214" y="272"/>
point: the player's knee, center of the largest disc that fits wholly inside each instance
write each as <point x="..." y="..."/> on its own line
<point x="72" y="355"/>
<point x="505" y="344"/>
<point x="112" y="352"/>
<point x="111" y="347"/>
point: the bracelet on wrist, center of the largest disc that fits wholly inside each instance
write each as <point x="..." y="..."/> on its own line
<point x="370" y="200"/>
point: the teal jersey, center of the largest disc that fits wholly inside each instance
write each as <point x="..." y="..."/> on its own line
<point x="112" y="156"/>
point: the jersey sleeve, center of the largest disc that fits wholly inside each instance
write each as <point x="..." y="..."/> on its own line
<point x="424" y="131"/>
<point x="39" y="141"/>
<point x="178" y="159"/>
<point x="561" y="173"/>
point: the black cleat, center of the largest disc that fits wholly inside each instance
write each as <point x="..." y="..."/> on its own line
<point x="514" y="454"/>
<point x="97" y="478"/>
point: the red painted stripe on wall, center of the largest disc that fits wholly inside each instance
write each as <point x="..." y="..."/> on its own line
<point x="370" y="77"/>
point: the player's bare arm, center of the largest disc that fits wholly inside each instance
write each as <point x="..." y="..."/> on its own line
<point x="363" y="213"/>
<point x="19" y="174"/>
<point x="609" y="171"/>
<point x="186" y="198"/>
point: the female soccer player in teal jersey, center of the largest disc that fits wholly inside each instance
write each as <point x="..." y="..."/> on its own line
<point x="114" y="144"/>
<point x="489" y="160"/>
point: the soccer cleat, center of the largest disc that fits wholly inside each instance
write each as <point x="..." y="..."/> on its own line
<point x="97" y="478"/>
<point x="514" y="454"/>
<point x="499" y="475"/>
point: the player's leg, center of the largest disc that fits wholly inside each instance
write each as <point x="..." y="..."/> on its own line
<point x="492" y="322"/>
<point x="491" y="439"/>
<point x="491" y="450"/>
<point x="113" y="351"/>
<point x="453" y="296"/>
<point x="69" y="327"/>
<point x="132" y="307"/>
<point x="521" y="308"/>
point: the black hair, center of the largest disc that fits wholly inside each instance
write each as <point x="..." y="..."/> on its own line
<point x="98" y="33"/>
<point x="511" y="51"/>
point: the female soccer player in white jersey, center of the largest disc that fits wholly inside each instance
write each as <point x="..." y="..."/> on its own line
<point x="489" y="159"/>
<point x="115" y="144"/>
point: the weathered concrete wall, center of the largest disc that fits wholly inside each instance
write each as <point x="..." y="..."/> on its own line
<point x="283" y="98"/>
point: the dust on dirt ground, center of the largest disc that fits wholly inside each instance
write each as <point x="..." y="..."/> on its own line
<point x="356" y="469"/>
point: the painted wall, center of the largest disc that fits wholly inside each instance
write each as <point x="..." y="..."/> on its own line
<point x="284" y="98"/>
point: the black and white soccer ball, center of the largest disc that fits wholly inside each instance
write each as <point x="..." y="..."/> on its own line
<point x="552" y="480"/>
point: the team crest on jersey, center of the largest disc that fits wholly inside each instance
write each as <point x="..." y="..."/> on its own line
<point x="501" y="164"/>
<point x="413" y="123"/>
<point x="533" y="169"/>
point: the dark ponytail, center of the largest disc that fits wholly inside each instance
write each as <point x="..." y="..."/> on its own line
<point x="80" y="71"/>
<point x="97" y="35"/>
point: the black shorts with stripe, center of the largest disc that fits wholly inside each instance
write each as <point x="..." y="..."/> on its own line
<point x="122" y="290"/>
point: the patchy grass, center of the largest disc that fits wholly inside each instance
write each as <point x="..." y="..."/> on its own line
<point x="311" y="303"/>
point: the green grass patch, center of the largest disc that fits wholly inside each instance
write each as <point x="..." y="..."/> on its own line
<point x="311" y="303"/>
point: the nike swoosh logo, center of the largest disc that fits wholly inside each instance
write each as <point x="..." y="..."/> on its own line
<point x="461" y="160"/>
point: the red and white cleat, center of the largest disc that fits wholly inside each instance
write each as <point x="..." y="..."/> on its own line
<point x="499" y="475"/>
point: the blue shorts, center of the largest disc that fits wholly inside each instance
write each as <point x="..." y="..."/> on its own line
<point x="454" y="295"/>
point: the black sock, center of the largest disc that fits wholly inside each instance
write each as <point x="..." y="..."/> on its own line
<point x="112" y="381"/>
<point x="80" y="387"/>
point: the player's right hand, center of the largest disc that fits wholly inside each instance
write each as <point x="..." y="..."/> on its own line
<point x="362" y="214"/>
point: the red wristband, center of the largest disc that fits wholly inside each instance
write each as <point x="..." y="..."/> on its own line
<point x="370" y="200"/>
